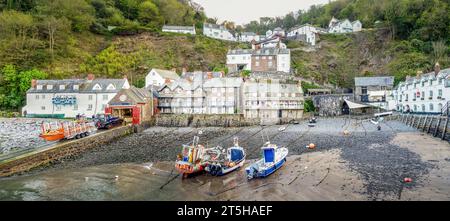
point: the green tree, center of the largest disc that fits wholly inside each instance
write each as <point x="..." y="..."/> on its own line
<point x="149" y="14"/>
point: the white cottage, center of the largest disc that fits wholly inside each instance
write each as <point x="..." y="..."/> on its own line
<point x="179" y="29"/>
<point x="306" y="33"/>
<point x="344" y="26"/>
<point x="218" y="32"/>
<point x="70" y="97"/>
<point x="159" y="77"/>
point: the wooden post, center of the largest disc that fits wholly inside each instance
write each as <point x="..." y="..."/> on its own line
<point x="429" y="126"/>
<point x="418" y="122"/>
<point x="412" y="121"/>
<point x="437" y="127"/>
<point x="425" y="123"/>
<point x="445" y="129"/>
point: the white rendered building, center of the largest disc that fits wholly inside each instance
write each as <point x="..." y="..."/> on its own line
<point x="218" y="32"/>
<point x="179" y="29"/>
<point x="158" y="77"/>
<point x="70" y="97"/>
<point x="344" y="26"/>
<point x="307" y="32"/>
<point x="426" y="93"/>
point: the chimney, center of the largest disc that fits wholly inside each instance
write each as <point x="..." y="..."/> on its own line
<point x="419" y="73"/>
<point x="33" y="83"/>
<point x="210" y="75"/>
<point x="90" y="77"/>
<point x="437" y="68"/>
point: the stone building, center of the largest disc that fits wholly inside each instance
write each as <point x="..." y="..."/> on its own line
<point x="272" y="99"/>
<point x="332" y="104"/>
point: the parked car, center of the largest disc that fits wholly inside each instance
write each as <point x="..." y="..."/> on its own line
<point x="107" y="121"/>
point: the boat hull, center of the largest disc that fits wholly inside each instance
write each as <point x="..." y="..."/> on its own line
<point x="52" y="137"/>
<point x="226" y="170"/>
<point x="266" y="172"/>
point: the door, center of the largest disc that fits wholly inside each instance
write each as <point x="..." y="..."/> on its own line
<point x="136" y="115"/>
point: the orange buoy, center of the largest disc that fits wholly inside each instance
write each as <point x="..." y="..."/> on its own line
<point x="346" y="132"/>
<point x="311" y="146"/>
<point x="407" y="180"/>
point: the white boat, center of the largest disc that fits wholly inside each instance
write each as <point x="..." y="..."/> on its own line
<point x="218" y="164"/>
<point x="273" y="158"/>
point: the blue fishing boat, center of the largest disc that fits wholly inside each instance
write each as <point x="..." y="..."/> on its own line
<point x="218" y="164"/>
<point x="273" y="158"/>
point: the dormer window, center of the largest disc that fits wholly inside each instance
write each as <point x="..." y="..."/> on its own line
<point x="49" y="87"/>
<point x="76" y="87"/>
<point x="62" y="87"/>
<point x="111" y="87"/>
<point x="97" y="87"/>
<point x="39" y="87"/>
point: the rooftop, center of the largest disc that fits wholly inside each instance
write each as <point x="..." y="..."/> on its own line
<point x="170" y="27"/>
<point x="374" y="81"/>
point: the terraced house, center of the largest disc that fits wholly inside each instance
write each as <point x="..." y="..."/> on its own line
<point x="70" y="97"/>
<point x="272" y="99"/>
<point x="425" y="93"/>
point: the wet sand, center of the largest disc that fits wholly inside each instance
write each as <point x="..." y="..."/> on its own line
<point x="367" y="164"/>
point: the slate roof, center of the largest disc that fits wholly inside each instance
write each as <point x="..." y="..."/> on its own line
<point x="445" y="73"/>
<point x="223" y="82"/>
<point x="134" y="96"/>
<point x="262" y="51"/>
<point x="374" y="81"/>
<point x="166" y="74"/>
<point x="85" y="86"/>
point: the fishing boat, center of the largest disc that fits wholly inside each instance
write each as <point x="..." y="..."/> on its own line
<point x="55" y="131"/>
<point x="312" y="122"/>
<point x="273" y="158"/>
<point x="190" y="159"/>
<point x="218" y="163"/>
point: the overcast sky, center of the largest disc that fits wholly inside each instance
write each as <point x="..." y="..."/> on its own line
<point x="244" y="11"/>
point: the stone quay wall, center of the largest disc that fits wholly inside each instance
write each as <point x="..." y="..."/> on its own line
<point x="204" y="120"/>
<point x="61" y="150"/>
<point x="330" y="104"/>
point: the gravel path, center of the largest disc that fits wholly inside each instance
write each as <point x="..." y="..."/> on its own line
<point x="369" y="152"/>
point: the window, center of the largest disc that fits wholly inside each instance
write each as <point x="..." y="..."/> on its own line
<point x="423" y="107"/>
<point x="431" y="95"/>
<point x="76" y="87"/>
<point x="37" y="96"/>
<point x="39" y="87"/>
<point x="431" y="107"/>
<point x="264" y="57"/>
<point x="423" y="83"/>
<point x="62" y="87"/>
<point x="363" y="90"/>
<point x="440" y="80"/>
<point x="43" y="96"/>
<point x="105" y="97"/>
<point x="257" y="64"/>
<point x="49" y="87"/>
<point x="257" y="58"/>
<point x="440" y="93"/>
<point x="58" y="108"/>
<point x="75" y="107"/>
<point x="97" y="87"/>
<point x="89" y="107"/>
<point x="431" y="82"/>
<point x="270" y="57"/>
<point x="111" y="87"/>
<point x="90" y="97"/>
<point x="270" y="64"/>
<point x="415" y="108"/>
